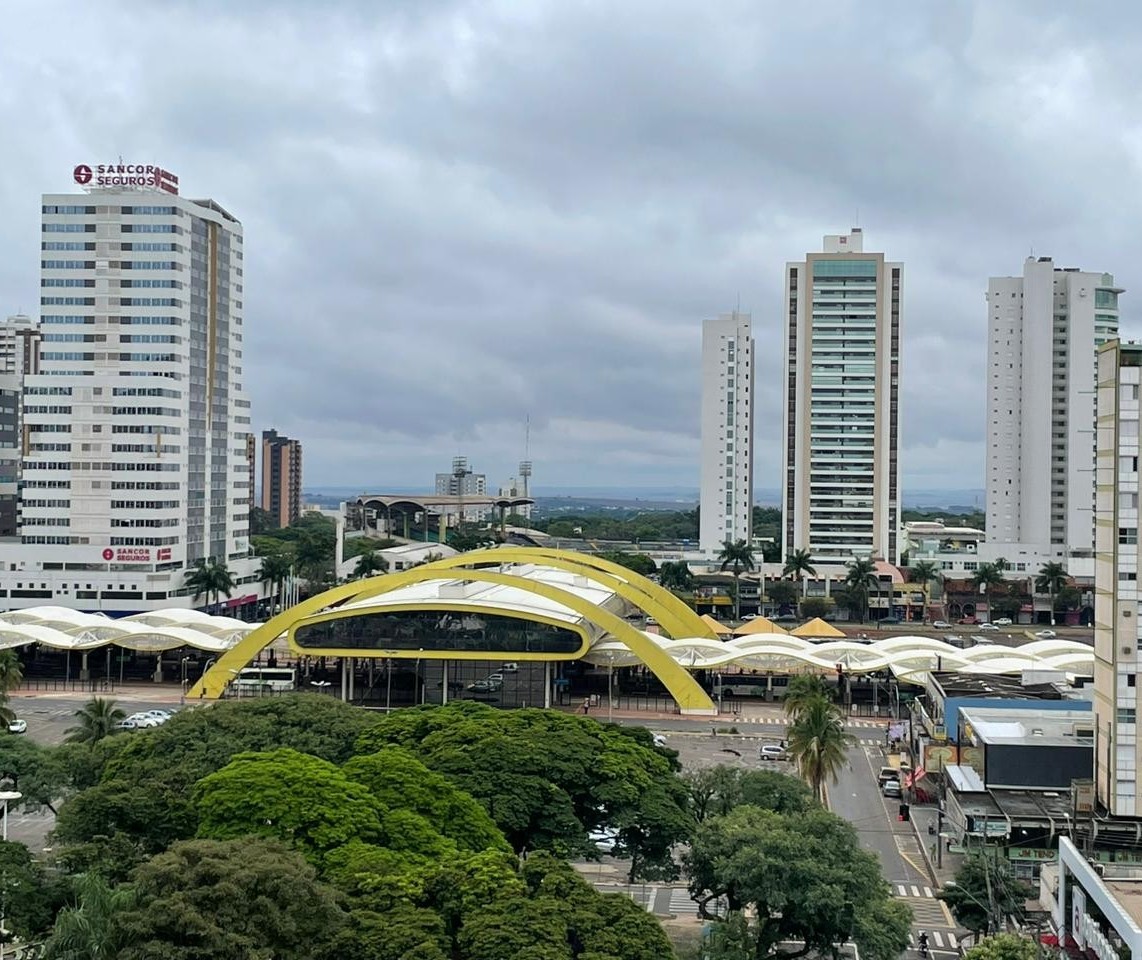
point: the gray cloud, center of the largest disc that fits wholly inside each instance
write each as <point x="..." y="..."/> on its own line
<point x="459" y="215"/>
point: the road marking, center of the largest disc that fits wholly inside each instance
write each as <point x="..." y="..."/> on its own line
<point x="912" y="890"/>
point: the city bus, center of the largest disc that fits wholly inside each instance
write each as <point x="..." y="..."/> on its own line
<point x="256" y="680"/>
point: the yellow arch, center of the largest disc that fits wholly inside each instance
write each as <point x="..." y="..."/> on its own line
<point x="679" y="621"/>
<point x="689" y="696"/>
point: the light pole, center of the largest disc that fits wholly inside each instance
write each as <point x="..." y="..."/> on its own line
<point x="8" y="794"/>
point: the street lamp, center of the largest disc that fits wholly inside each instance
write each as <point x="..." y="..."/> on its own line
<point x="8" y="794"/>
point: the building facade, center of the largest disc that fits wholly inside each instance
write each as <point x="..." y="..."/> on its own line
<point x="1116" y="598"/>
<point x="20" y="338"/>
<point x="726" y="506"/>
<point x="841" y="490"/>
<point x="463" y="482"/>
<point x="133" y="440"/>
<point x="1044" y="329"/>
<point x="281" y="477"/>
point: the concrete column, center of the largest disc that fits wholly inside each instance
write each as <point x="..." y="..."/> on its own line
<point x="547" y="683"/>
<point x="352" y="677"/>
<point x="443" y="681"/>
<point x="344" y="672"/>
<point x="84" y="674"/>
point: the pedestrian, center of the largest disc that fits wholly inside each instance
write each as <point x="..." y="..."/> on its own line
<point x="586" y="706"/>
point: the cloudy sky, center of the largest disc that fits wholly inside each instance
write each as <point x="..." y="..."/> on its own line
<point x="461" y="214"/>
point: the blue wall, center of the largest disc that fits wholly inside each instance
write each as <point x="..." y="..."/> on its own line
<point x="953" y="705"/>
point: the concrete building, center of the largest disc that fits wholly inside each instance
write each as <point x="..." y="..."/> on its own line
<point x="727" y="432"/>
<point x="463" y="482"/>
<point x="1043" y="330"/>
<point x="134" y="428"/>
<point x="841" y="494"/>
<point x="281" y="477"/>
<point x="20" y="339"/>
<point x="1116" y="598"/>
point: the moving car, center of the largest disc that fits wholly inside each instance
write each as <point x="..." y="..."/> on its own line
<point x="1002" y="621"/>
<point x="1046" y="634"/>
<point x="490" y="685"/>
<point x="986" y="627"/>
<point x="890" y="788"/>
<point x="772" y="751"/>
<point x="18" y="726"/>
<point x="941" y="625"/>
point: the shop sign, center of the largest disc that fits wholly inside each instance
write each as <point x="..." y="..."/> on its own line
<point x="127" y="555"/>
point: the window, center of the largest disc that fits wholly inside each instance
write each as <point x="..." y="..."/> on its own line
<point x="1131" y="679"/>
<point x="1125" y="715"/>
<point x="1127" y="535"/>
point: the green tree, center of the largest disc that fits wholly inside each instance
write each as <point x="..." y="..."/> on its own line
<point x="738" y="557"/>
<point x="1051" y="580"/>
<point x="275" y="569"/>
<point x="804" y="878"/>
<point x="32" y="897"/>
<point x="90" y="928"/>
<point x="860" y="578"/>
<point x="816" y="607"/>
<point x="242" y="899"/>
<point x="1004" y="946"/>
<point x="985" y="891"/>
<point x="210" y="578"/>
<point x="783" y="593"/>
<point x="985" y="579"/>
<point x="715" y="791"/>
<point x="11" y="676"/>
<point x="676" y="575"/>
<point x="799" y="564"/>
<point x="638" y="562"/>
<point x="43" y="771"/>
<point x="804" y="689"/>
<point x="817" y="743"/>
<point x="96" y="719"/>
<point x="302" y="800"/>
<point x="1069" y="598"/>
<point x="369" y="564"/>
<point x="925" y="573"/>
<point x="261" y="522"/>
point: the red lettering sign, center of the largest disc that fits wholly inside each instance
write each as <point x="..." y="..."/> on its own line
<point x="82" y="173"/>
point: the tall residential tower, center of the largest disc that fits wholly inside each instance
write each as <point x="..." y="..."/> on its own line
<point x="727" y="432"/>
<point x="281" y="477"/>
<point x="841" y="491"/>
<point x="1044" y="329"/>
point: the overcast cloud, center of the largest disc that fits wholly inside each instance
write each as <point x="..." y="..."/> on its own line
<point x="461" y="214"/>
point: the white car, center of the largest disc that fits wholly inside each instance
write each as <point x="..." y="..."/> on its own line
<point x="771" y="751"/>
<point x="988" y="627"/>
<point x="125" y="724"/>
<point x="141" y="720"/>
<point x="1002" y="621"/>
<point x="659" y="740"/>
<point x="941" y="625"/>
<point x="604" y="839"/>
<point x="161" y="715"/>
<point x="1046" y="634"/>
<point x="18" y="726"/>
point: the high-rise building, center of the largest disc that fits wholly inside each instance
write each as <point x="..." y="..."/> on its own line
<point x="727" y="432"/>
<point x="841" y="490"/>
<point x="1117" y="631"/>
<point x="463" y="482"/>
<point x="134" y="428"/>
<point x="281" y="477"/>
<point x="1044" y="329"/>
<point x="20" y="338"/>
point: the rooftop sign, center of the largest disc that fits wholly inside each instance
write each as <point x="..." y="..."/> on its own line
<point x="126" y="175"/>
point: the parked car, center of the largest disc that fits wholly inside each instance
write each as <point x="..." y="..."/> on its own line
<point x="18" y="726"/>
<point x="891" y="788"/>
<point x="125" y="724"/>
<point x="886" y="774"/>
<point x="142" y="720"/>
<point x="1002" y="621"/>
<point x="749" y="616"/>
<point x="604" y="839"/>
<point x="983" y="641"/>
<point x="1046" y="634"/>
<point x="772" y="751"/>
<point x="490" y="685"/>
<point x="941" y="625"/>
<point x="988" y="627"/>
<point x="659" y="740"/>
<point x="785" y="618"/>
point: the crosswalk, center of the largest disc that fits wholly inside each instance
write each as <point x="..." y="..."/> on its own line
<point x="938" y="939"/>
<point x="779" y="720"/>
<point x="913" y="890"/>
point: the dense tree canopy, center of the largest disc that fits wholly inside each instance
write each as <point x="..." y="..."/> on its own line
<point x="1004" y="946"/>
<point x="984" y="893"/>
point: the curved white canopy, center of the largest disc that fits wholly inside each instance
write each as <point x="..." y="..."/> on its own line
<point x="152" y="632"/>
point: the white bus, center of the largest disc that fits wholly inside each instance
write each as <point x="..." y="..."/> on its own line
<point x="255" y="680"/>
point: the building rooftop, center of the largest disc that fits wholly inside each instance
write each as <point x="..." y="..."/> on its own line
<point x="1128" y="893"/>
<point x="1028" y="727"/>
<point x="996" y="686"/>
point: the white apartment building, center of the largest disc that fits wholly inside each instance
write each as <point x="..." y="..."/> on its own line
<point x="1117" y="633"/>
<point x="726" y="506"/>
<point x="841" y="494"/>
<point x="20" y="338"/>
<point x="1044" y="329"/>
<point x="134" y="434"/>
<point x="463" y="482"/>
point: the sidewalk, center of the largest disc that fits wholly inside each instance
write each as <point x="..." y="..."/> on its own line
<point x="942" y="865"/>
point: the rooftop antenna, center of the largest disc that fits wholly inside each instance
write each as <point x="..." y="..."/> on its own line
<point x="525" y="463"/>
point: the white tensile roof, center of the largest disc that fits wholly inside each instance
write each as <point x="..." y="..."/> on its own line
<point x="152" y="632"/>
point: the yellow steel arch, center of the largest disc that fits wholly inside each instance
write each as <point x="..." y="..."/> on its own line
<point x="689" y="696"/>
<point x="679" y="621"/>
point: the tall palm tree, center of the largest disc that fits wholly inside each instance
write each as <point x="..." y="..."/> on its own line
<point x="88" y="929"/>
<point x="210" y="578"/>
<point x="97" y="719"/>
<point x="817" y="743"/>
<point x="860" y="577"/>
<point x="925" y="573"/>
<point x="676" y="575"/>
<point x="803" y="689"/>
<point x="799" y="564"/>
<point x="1051" y="579"/>
<point x="369" y="563"/>
<point x="274" y="571"/>
<point x="738" y="556"/>
<point x="987" y="576"/>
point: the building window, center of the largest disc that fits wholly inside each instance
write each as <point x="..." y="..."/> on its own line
<point x="1131" y="679"/>
<point x="1127" y="535"/>
<point x="1124" y="715"/>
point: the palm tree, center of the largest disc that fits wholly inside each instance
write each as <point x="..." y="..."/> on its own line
<point x="275" y="569"/>
<point x="675" y="575"/>
<point x="860" y="577"/>
<point x="738" y="556"/>
<point x="210" y="578"/>
<point x="368" y="563"/>
<point x="1051" y="579"/>
<point x="97" y="719"/>
<point x="986" y="577"/>
<point x="803" y="689"/>
<point x="925" y="572"/>
<point x="88" y="930"/>
<point x="799" y="564"/>
<point x="817" y="743"/>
